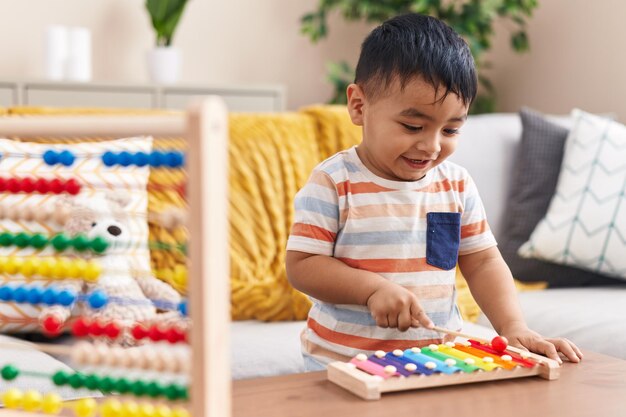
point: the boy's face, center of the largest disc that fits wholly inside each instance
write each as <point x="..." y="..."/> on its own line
<point x="406" y="132"/>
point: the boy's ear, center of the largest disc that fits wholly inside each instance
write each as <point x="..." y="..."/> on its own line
<point x="356" y="99"/>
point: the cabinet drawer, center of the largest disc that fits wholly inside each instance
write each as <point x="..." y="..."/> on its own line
<point x="88" y="98"/>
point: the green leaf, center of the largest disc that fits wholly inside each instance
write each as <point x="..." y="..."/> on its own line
<point x="165" y="16"/>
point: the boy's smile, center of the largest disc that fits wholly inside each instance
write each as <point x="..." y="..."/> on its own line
<point x="406" y="132"/>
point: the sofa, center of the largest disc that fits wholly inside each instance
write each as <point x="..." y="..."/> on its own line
<point x="271" y="156"/>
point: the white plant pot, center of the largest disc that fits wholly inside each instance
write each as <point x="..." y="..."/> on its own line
<point x="164" y="65"/>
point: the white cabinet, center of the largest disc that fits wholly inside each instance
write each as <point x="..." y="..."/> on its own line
<point x="65" y="94"/>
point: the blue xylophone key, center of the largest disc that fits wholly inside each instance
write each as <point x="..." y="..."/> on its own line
<point x="421" y="369"/>
<point x="384" y="361"/>
<point x="422" y="359"/>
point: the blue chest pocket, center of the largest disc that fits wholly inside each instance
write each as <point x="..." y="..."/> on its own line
<point x="442" y="239"/>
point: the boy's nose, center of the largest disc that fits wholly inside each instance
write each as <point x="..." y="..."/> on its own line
<point x="431" y="145"/>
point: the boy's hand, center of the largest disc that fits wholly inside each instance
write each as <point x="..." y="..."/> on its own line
<point x="394" y="306"/>
<point x="523" y="337"/>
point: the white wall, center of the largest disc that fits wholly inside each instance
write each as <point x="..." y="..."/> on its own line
<point x="577" y="48"/>
<point x="577" y="58"/>
<point x="223" y="42"/>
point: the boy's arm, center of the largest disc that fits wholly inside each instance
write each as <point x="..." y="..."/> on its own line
<point x="491" y="284"/>
<point x="330" y="280"/>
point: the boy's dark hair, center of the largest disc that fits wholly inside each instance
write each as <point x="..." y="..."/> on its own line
<point x="415" y="45"/>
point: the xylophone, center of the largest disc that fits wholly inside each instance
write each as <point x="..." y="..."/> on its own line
<point x="472" y="360"/>
<point x="156" y="379"/>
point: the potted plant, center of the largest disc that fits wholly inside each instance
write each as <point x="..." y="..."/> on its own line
<point x="164" y="60"/>
<point x="473" y="19"/>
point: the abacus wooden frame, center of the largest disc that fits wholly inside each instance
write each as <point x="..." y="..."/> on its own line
<point x="205" y="126"/>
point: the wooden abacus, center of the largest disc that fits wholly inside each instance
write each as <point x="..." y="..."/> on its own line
<point x="205" y="127"/>
<point x="473" y="360"/>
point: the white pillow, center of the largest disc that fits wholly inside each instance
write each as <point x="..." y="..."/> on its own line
<point x="585" y="225"/>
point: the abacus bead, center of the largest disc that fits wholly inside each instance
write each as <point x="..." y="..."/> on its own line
<point x="14" y="185"/>
<point x="147" y="410"/>
<point x="96" y="328"/>
<point x="60" y="242"/>
<point x="99" y="244"/>
<point x="130" y="409"/>
<point x="115" y="356"/>
<point x="66" y="298"/>
<point x="161" y="410"/>
<point x="49" y="296"/>
<point x="50" y="157"/>
<point x="34" y="295"/>
<point x="66" y="158"/>
<point x="180" y="412"/>
<point x="80" y="242"/>
<point x="6" y="293"/>
<point x="173" y="335"/>
<point x="139" y="332"/>
<point x="171" y="392"/>
<point x="27" y="185"/>
<point x="111" y="408"/>
<point x="106" y="384"/>
<point x="52" y="403"/>
<point x="22" y="240"/>
<point x="39" y="241"/>
<point x="86" y="407"/>
<point x="28" y="214"/>
<point x="29" y="267"/>
<point x="12" y="398"/>
<point x="182" y="307"/>
<point x="20" y="294"/>
<point x="3" y="184"/>
<point x="92" y="382"/>
<point x="81" y="327"/>
<point x="56" y="186"/>
<point x="51" y="325"/>
<point x="6" y="239"/>
<point x="125" y="159"/>
<point x="9" y="372"/>
<point x="156" y="159"/>
<point x="112" y="330"/>
<point x="61" y="268"/>
<point x="32" y="401"/>
<point x="77" y="268"/>
<point x="72" y="187"/>
<point x="12" y="213"/>
<point x="61" y="215"/>
<point x="45" y="267"/>
<point x="155" y="334"/>
<point x="12" y="265"/>
<point x="109" y="159"/>
<point x="154" y="389"/>
<point x="141" y="159"/>
<point x="97" y="299"/>
<point x="60" y="378"/>
<point x="76" y="380"/>
<point x="135" y="357"/>
<point x="80" y="353"/>
<point x="122" y="386"/>
<point x="92" y="272"/>
<point x="42" y="186"/>
<point x="174" y="159"/>
<point x="138" y="388"/>
<point x="41" y="215"/>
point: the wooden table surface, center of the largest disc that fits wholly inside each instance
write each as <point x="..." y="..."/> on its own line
<point x="594" y="387"/>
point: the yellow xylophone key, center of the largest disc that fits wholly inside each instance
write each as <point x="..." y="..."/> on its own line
<point x="468" y="358"/>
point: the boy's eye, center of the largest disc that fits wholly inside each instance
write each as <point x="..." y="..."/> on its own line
<point x="93" y="224"/>
<point x="451" y="131"/>
<point x="411" y="128"/>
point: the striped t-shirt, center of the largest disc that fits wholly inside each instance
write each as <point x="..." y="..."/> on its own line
<point x="379" y="225"/>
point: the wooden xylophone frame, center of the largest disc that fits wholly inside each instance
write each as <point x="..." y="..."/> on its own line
<point x="205" y="126"/>
<point x="370" y="387"/>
